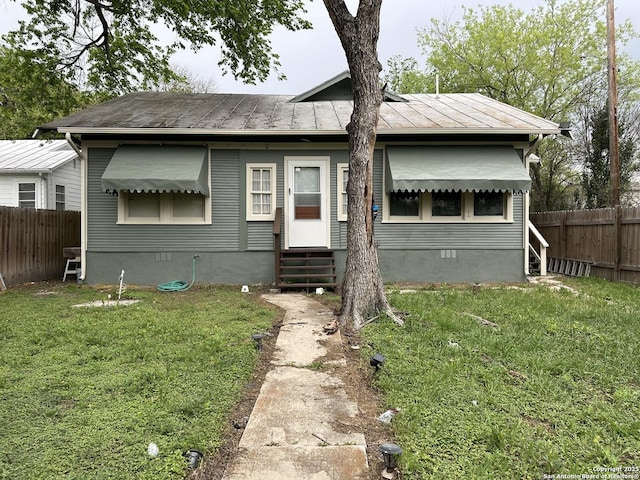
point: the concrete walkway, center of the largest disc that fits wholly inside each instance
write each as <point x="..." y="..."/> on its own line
<point x="292" y="431"/>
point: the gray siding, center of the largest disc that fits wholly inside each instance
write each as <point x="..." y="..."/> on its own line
<point x="235" y="251"/>
<point x="469" y="236"/>
<point x="491" y="236"/>
<point x="104" y="235"/>
<point x="227" y="201"/>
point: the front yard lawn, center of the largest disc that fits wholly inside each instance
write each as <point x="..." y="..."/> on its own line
<point x="492" y="383"/>
<point x="552" y="389"/>
<point x="84" y="391"/>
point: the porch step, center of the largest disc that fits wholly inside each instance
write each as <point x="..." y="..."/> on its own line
<point x="306" y="268"/>
<point x="534" y="265"/>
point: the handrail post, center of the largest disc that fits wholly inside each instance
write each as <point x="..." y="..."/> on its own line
<point x="277" y="226"/>
<point x="543" y="248"/>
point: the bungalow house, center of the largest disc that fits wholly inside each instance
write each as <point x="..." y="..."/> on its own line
<point x="254" y="187"/>
<point x="41" y="174"/>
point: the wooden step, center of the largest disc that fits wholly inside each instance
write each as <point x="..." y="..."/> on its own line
<point x="306" y="268"/>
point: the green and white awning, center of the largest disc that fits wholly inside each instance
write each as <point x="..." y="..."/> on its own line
<point x="157" y="168"/>
<point x="455" y="168"/>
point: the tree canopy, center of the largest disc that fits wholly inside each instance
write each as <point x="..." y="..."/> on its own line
<point x="542" y="61"/>
<point x="110" y="45"/>
<point x="32" y="92"/>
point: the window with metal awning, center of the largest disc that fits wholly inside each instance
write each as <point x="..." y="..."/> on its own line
<point x="455" y="168"/>
<point x="453" y="183"/>
<point x="157" y="169"/>
<point x="160" y="184"/>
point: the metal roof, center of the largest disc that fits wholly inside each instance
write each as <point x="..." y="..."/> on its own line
<point x="34" y="156"/>
<point x="244" y="114"/>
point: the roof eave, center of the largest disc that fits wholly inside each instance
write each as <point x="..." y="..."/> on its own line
<point x="27" y="171"/>
<point x="381" y="131"/>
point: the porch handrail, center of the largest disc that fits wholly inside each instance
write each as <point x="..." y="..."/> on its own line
<point x="277" y="227"/>
<point x="542" y="257"/>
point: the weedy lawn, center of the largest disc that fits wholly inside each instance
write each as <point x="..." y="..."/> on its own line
<point x="552" y="388"/>
<point x="83" y="391"/>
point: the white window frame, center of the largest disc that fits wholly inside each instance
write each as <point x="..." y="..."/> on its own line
<point x="35" y="194"/>
<point x="341" y="191"/>
<point x="467" y="211"/>
<point x="166" y="212"/>
<point x="250" y="192"/>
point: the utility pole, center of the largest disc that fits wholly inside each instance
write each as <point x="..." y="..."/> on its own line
<point x="614" y="151"/>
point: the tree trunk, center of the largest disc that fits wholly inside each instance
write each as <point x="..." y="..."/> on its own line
<point x="362" y="289"/>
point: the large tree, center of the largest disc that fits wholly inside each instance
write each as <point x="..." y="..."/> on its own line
<point x="548" y="61"/>
<point x="362" y="288"/>
<point x="109" y="45"/>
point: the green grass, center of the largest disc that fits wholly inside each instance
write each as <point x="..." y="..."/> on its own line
<point x="554" y="389"/>
<point x="83" y="391"/>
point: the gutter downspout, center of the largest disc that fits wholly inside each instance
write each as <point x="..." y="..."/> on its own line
<point x="533" y="146"/>
<point x="83" y="204"/>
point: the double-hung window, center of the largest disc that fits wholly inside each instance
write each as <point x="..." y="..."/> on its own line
<point x="60" y="197"/>
<point x="261" y="196"/>
<point x="343" y="178"/>
<point x="27" y="195"/>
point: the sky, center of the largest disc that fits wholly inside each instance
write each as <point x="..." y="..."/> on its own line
<point x="308" y="58"/>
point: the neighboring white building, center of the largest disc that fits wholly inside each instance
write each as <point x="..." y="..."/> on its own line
<point x="41" y="174"/>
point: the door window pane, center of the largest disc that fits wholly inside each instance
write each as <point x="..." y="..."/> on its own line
<point x="307" y="179"/>
<point x="307" y="197"/>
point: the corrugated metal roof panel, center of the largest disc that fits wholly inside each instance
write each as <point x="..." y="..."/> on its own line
<point x="239" y="114"/>
<point x="34" y="155"/>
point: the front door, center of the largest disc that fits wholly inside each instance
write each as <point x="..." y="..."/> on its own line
<point x="307" y="205"/>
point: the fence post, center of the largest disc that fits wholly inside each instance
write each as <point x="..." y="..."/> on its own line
<point x="563" y="234"/>
<point x="617" y="236"/>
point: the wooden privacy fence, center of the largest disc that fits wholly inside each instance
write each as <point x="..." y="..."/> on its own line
<point x="609" y="238"/>
<point x="32" y="242"/>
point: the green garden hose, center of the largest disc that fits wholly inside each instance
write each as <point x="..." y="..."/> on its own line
<point x="180" y="285"/>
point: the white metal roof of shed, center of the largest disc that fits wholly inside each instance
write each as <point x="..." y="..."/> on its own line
<point x="243" y="114"/>
<point x="34" y="156"/>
